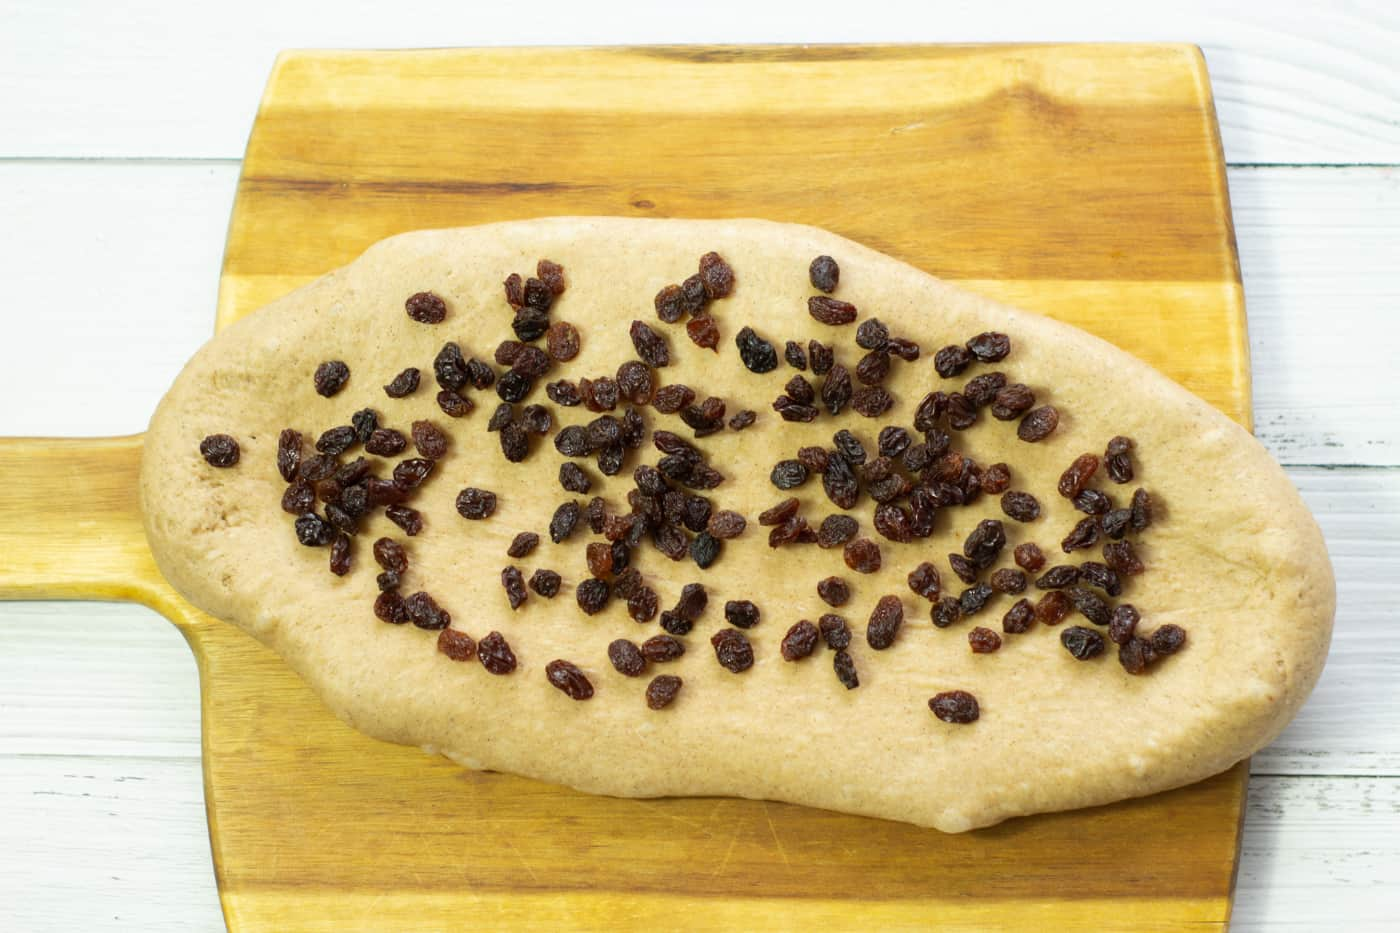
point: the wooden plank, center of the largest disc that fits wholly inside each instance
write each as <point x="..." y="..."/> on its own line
<point x="1292" y="85"/>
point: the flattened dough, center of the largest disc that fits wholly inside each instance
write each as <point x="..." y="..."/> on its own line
<point x="1234" y="556"/>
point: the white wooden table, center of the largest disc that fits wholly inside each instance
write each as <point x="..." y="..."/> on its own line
<point x="121" y="127"/>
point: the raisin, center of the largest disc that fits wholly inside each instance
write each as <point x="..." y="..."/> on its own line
<point x="330" y="377"/>
<point x="538" y="295"/>
<point x="793" y="531"/>
<point x="779" y="513"/>
<point x="873" y="368"/>
<point x="981" y="390"/>
<point x="872" y="401"/>
<point x="454" y="405"/>
<point x="788" y="474"/>
<point x="835" y="632"/>
<point x="1089" y="605"/>
<point x="424" y="612"/>
<point x="506" y="353"/>
<point x="946" y="611"/>
<point x="849" y="446"/>
<point x="536" y="419"/>
<point x="514" y="583"/>
<point x="1011" y="401"/>
<point x="662" y="691"/>
<point x="821" y="357"/>
<point x="459" y="646"/>
<point x="333" y="442"/>
<point x="716" y="275"/>
<point x="692" y="601"/>
<point x="610" y="459"/>
<point x="1093" y="502"/>
<point x="704" y="549"/>
<point x="522" y="544"/>
<point x="429" y="440"/>
<point x="552" y="275"/>
<point x="531" y="362"/>
<point x="563" y="392"/>
<point x="725" y="525"/>
<point x="732" y="650"/>
<point x="1082" y="643"/>
<point x="670" y="304"/>
<point x="743" y="419"/>
<point x="983" y="640"/>
<point x="573" y="478"/>
<point x="757" y="354"/>
<point x="893" y="523"/>
<point x="545" y="582"/>
<point x="626" y="658"/>
<point x="813" y="458"/>
<point x="832" y="311"/>
<point x="918" y="457"/>
<point x="741" y="613"/>
<point x="1038" y="424"/>
<point x="951" y="361"/>
<point x="515" y="442"/>
<point x="1122" y="557"/>
<point x="389" y="607"/>
<point x="1137" y="655"/>
<point x="390" y="555"/>
<point x="893" y="441"/>
<point x="1084" y="535"/>
<point x="475" y="504"/>
<point x="384" y="492"/>
<point x="288" y="453"/>
<point x="837" y="391"/>
<point x="824" y="274"/>
<point x="502" y="416"/>
<point x="705" y="418"/>
<point x="405" y="383"/>
<point x="1076" y="477"/>
<point x="660" y="649"/>
<point x="388" y="580"/>
<point x="530" y="323"/>
<point x="1058" y="577"/>
<point x="635" y="383"/>
<point x="642" y="604"/>
<point x="955" y="706"/>
<point x="495" y="655"/>
<point x="800" y="390"/>
<point x="672" y="398"/>
<point x="410" y="473"/>
<point x="601" y="394"/>
<point x="314" y="531"/>
<point x="984" y="545"/>
<point x="845" y="667"/>
<point x="569" y="679"/>
<point x="839" y="482"/>
<point x="1141" y="510"/>
<point x="515" y="291"/>
<point x="1168" y="639"/>
<point x="406" y="518"/>
<point x="592" y="595"/>
<point x="220" y="450"/>
<point x="834" y="591"/>
<point x="1122" y="624"/>
<point x="990" y="347"/>
<point x="672" y="622"/>
<point x="1018" y="618"/>
<point x="426" y="308"/>
<point x="862" y="555"/>
<point x="962" y="414"/>
<point x="572" y="441"/>
<point x="1101" y="576"/>
<point x="964" y="569"/>
<point x="650" y="346"/>
<point x="836" y="530"/>
<point x="885" y="621"/>
<point x="1052" y="608"/>
<point x="1007" y="580"/>
<point x="561" y="342"/>
<point x="792" y="410"/>
<point x="340" y="555"/>
<point x="924" y="581"/>
<point x="974" y="598"/>
<point x="514" y="386"/>
<point x="800" y="641"/>
<point x="1116" y="523"/>
<point x="794" y="354"/>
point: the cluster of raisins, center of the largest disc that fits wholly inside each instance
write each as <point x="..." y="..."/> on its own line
<point x="714" y="279"/>
<point x="606" y="438"/>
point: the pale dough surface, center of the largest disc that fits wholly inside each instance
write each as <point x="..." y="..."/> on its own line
<point x="1234" y="556"/>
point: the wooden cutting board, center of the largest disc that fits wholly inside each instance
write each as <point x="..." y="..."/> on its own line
<point x="1085" y="182"/>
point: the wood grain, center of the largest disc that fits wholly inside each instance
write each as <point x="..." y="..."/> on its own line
<point x="281" y="773"/>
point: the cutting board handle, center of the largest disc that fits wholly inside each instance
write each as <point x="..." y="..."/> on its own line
<point x="70" y="521"/>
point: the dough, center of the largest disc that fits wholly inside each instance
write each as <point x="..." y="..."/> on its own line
<point x="1234" y="556"/>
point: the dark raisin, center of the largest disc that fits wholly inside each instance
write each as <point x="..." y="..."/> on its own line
<point x="964" y="569"/>
<point x="514" y="386"/>
<point x="955" y="706"/>
<point x="384" y="492"/>
<point x="1082" y="643"/>
<point x="972" y="599"/>
<point x="836" y="530"/>
<point x="990" y="347"/>
<point x="514" y="583"/>
<point x="793" y="531"/>
<point x="602" y="394"/>
<point x="705" y="418"/>
<point x="788" y="474"/>
<point x="1076" y="477"/>
<point x="980" y="390"/>
<point x="850" y="447"/>
<point x="1058" y="577"/>
<point x="563" y="392"/>
<point x="1141" y="510"/>
<point x="741" y="613"/>
<point x="1011" y="401"/>
<point x="924" y="581"/>
<point x="1029" y="557"/>
<point x="572" y="441"/>
<point x="813" y="458"/>
<point x="515" y="442"/>
<point x="1007" y="580"/>
<point x="1038" y="424"/>
<point x="536" y="419"/>
<point x="732" y="650"/>
<point x="831" y="311"/>
<point x="530" y="323"/>
<point x="837" y="391"/>
<point x="983" y="640"/>
<point x="330" y="377"/>
<point x="725" y="525"/>
<point x="288" y="453"/>
<point x="569" y="679"/>
<point x="669" y="304"/>
<point x="951" y="361"/>
<point x="791" y="410"/>
<point x="592" y="595"/>
<point x="410" y="473"/>
<point x="314" y="531"/>
<point x="872" y="401"/>
<point x="429" y="440"/>
<point x="454" y="405"/>
<point x="824" y="274"/>
<point x="984" y="545"/>
<point x="1102" y="576"/>
<point x="341" y="519"/>
<point x="835" y="632"/>
<point x="389" y="607"/>
<point x="873" y="368"/>
<point x="946" y="611"/>
<point x="406" y="518"/>
<point x="672" y="398"/>
<point x="552" y="275"/>
<point x="696" y="513"/>
<point x="506" y="352"/>
<point x="704" y="549"/>
<point x="743" y="419"/>
<point x="634" y="382"/>
<point x="449" y="368"/>
<point x="1116" y="523"/>
<point x="515" y="291"/>
<point x="538" y="295"/>
<point x="862" y="555"/>
<point x="388" y="580"/>
<point x="1052" y="608"/>
<point x="424" y="612"/>
<point x="757" y="354"/>
<point x="1019" y="617"/>
<point x="1084" y="535"/>
<point x="626" y="658"/>
<point x="546" y="583"/>
<point x="405" y="383"/>
<point x="565" y="518"/>
<point x="1118" y="460"/>
<point x="502" y="416"/>
<point x="692" y="601"/>
<point x="531" y="362"/>
<point x="845" y="667"/>
<point x="390" y="555"/>
<point x="476" y="503"/>
<point x="1122" y="624"/>
<point x="885" y="621"/>
<point x="839" y="482"/>
<point x="662" y="648"/>
<point x="1093" y="502"/>
<point x="573" y="478"/>
<point x="1168" y="639"/>
<point x="523" y="544"/>
<point x="672" y="622"/>
<point x="800" y="390"/>
<point x="220" y="450"/>
<point x="650" y="345"/>
<point x="893" y="441"/>
<point x="821" y="357"/>
<point x="962" y="414"/>
<point x="662" y="691"/>
<point x="426" y="308"/>
<point x="794" y="354"/>
<point x="340" y="555"/>
<point x="800" y="641"/>
<point x="893" y="523"/>
<point x="459" y="646"/>
<point x="1089" y="605"/>
<point x="1122" y="557"/>
<point x="481" y="376"/>
<point x="642" y="604"/>
<point x="495" y="655"/>
<point x="1137" y="655"/>
<point x="834" y="591"/>
<point x="561" y="341"/>
<point x="333" y="442"/>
